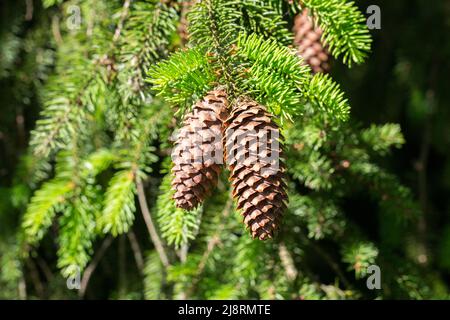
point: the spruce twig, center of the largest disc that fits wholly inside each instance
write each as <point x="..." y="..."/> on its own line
<point x="38" y="286"/>
<point x="333" y="265"/>
<point x="151" y="226"/>
<point x="123" y="16"/>
<point x="137" y="252"/>
<point x="287" y="261"/>
<point x="93" y="265"/>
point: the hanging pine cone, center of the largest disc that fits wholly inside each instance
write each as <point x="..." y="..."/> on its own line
<point x="307" y="39"/>
<point x="198" y="151"/>
<point x="253" y="154"/>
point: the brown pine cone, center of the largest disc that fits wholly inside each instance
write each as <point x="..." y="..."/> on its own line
<point x="307" y="38"/>
<point x="254" y="156"/>
<point x="198" y="151"/>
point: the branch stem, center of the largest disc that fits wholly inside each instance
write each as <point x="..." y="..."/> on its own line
<point x="151" y="226"/>
<point x="93" y="265"/>
<point x="137" y="252"/>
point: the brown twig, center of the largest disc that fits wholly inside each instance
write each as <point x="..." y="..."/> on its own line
<point x="287" y="261"/>
<point x="151" y="226"/>
<point x="122" y="267"/>
<point x="20" y="125"/>
<point x="182" y="253"/>
<point x="333" y="265"/>
<point x="183" y="26"/>
<point x="93" y="265"/>
<point x="34" y="274"/>
<point x="56" y="31"/>
<point x="123" y="16"/>
<point x="423" y="192"/>
<point x="29" y="10"/>
<point x="45" y="269"/>
<point x="22" y="289"/>
<point x="137" y="252"/>
<point x="422" y="164"/>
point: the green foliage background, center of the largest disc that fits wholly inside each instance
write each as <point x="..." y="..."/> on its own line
<point x="86" y="118"/>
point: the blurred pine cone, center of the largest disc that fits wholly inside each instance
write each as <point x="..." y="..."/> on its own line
<point x="198" y="151"/>
<point x="307" y="38"/>
<point x="256" y="167"/>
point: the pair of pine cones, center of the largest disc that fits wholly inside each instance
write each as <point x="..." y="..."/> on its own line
<point x="248" y="140"/>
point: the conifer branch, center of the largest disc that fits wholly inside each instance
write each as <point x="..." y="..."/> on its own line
<point x="326" y="96"/>
<point x="344" y="28"/>
<point x="119" y="209"/>
<point x="220" y="31"/>
<point x="178" y="226"/>
<point x="68" y="97"/>
<point x="145" y="41"/>
<point x="185" y="77"/>
<point x="280" y="78"/>
<point x="118" y="213"/>
<point x="42" y="209"/>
